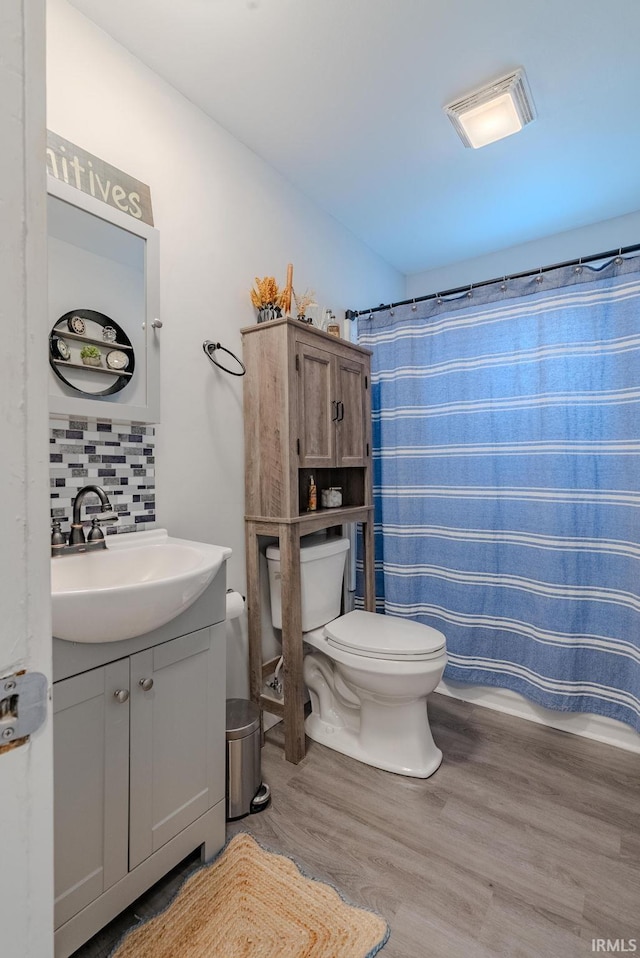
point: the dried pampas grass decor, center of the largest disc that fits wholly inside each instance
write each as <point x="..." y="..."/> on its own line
<point x="304" y="300"/>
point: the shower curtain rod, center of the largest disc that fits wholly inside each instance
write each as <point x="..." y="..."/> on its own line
<point x="354" y="313"/>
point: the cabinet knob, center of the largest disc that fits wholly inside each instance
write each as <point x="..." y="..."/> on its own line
<point x="121" y="695"/>
<point x="146" y="684"/>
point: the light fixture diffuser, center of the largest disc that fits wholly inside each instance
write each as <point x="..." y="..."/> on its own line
<point x="493" y="112"/>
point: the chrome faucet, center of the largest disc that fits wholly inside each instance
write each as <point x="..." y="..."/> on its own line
<point x="77" y="540"/>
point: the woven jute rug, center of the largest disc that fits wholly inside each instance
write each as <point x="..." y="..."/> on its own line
<point x="251" y="903"/>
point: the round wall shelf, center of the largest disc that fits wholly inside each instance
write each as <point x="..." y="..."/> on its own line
<point x="81" y="328"/>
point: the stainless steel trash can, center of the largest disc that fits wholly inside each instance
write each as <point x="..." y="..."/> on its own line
<point x="245" y="790"/>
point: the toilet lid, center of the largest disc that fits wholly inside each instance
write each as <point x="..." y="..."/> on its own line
<point x="384" y="637"/>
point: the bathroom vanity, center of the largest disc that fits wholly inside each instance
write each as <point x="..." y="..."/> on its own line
<point x="139" y="762"/>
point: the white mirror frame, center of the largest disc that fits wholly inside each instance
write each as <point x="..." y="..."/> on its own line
<point x="85" y="407"/>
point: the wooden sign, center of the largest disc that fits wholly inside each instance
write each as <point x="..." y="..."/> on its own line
<point x="90" y="174"/>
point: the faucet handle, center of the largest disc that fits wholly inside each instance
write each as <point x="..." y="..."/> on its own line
<point x="58" y="538"/>
<point x="95" y="532"/>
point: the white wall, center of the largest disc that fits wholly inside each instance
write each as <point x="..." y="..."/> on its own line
<point x="224" y="217"/>
<point x="26" y="823"/>
<point x="557" y="248"/>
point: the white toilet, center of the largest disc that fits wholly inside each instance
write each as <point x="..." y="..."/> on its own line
<point x="368" y="675"/>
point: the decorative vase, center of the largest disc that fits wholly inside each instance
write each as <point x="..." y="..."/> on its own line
<point x="269" y="312"/>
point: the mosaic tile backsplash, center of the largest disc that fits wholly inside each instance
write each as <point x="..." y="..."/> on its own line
<point x="117" y="456"/>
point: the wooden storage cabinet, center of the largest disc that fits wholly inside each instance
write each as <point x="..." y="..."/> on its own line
<point x="306" y="406"/>
<point x="307" y="412"/>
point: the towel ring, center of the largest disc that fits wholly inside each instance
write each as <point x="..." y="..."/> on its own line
<point x="209" y="349"/>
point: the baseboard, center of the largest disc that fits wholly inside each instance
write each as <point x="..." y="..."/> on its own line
<point x="596" y="727"/>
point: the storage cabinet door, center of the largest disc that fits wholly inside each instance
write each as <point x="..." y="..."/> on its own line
<point x="352" y="424"/>
<point x="91" y="786"/>
<point x="316" y="411"/>
<point x="177" y="737"/>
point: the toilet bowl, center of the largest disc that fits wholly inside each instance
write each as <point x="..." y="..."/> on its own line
<point x="368" y="675"/>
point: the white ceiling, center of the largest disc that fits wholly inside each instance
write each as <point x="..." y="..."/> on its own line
<point x="344" y="97"/>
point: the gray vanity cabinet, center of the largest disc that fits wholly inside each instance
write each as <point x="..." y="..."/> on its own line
<point x="139" y="763"/>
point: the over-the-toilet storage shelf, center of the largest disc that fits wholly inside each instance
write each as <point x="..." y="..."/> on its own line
<point x="307" y="411"/>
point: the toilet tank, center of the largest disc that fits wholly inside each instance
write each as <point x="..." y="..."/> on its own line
<point x="322" y="562"/>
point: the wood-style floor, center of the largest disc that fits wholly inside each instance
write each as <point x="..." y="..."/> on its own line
<point x="524" y="844"/>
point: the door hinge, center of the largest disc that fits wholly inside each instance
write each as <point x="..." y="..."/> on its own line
<point x="23" y="705"/>
<point x="298" y="446"/>
<point x="297" y="363"/>
<point x="367" y="449"/>
<point x="366" y="382"/>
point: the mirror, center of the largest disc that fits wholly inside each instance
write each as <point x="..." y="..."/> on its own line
<point x="102" y="273"/>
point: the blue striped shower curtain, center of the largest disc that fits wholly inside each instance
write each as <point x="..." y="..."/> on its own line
<point x="507" y="482"/>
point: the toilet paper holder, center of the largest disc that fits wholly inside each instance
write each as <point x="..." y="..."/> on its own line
<point x="235" y="604"/>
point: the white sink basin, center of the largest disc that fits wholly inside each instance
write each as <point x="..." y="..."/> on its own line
<point x="138" y="583"/>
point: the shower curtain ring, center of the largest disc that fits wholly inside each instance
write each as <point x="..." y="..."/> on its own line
<point x="470" y="293"/>
<point x="619" y="260"/>
<point x="438" y="299"/>
<point x="503" y="284"/>
<point x="392" y="311"/>
<point x="539" y="276"/>
<point x="414" y="307"/>
<point x="578" y="268"/>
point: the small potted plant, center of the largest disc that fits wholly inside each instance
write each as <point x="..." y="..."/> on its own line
<point x="91" y="356"/>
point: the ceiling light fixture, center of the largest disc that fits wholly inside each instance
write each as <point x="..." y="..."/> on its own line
<point x="493" y="112"/>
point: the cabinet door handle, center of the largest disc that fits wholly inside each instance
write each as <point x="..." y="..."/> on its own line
<point x="340" y="410"/>
<point x="121" y="695"/>
<point x="334" y="407"/>
<point x="146" y="684"/>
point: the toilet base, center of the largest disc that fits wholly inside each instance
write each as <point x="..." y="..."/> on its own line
<point x="346" y="740"/>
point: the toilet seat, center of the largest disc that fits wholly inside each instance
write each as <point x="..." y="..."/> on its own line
<point x="376" y="636"/>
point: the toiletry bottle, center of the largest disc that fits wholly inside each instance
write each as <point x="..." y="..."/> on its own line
<point x="312" y="503"/>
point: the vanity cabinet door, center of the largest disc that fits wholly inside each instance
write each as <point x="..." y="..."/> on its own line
<point x="177" y="743"/>
<point x="91" y="785"/>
